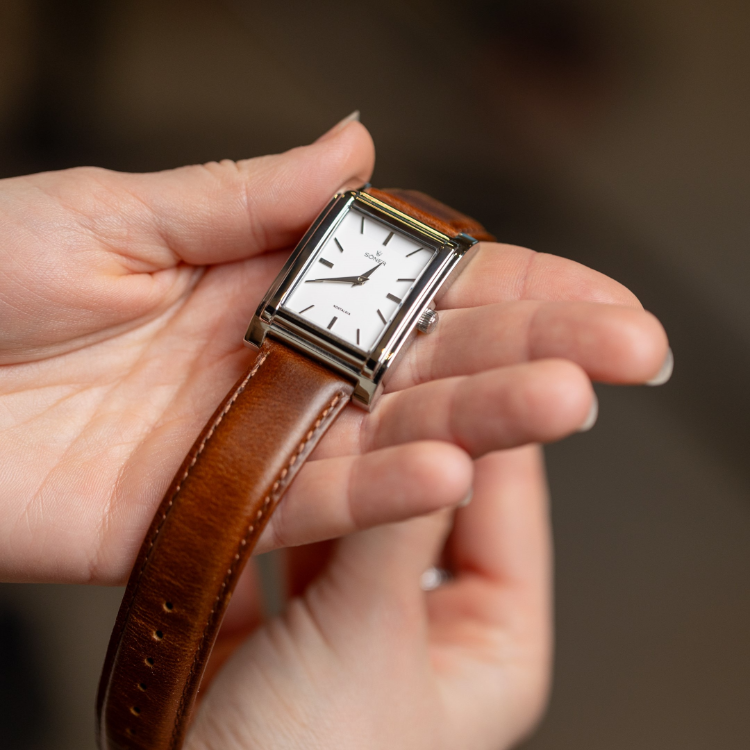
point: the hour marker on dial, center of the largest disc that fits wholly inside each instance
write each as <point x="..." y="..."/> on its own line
<point x="388" y="238"/>
<point x="382" y="317"/>
<point x="415" y="251"/>
<point x="393" y="298"/>
<point x="358" y="328"/>
<point x="338" y="244"/>
<point x="362" y="226"/>
<point x="405" y="279"/>
<point x="330" y="325"/>
<point x="310" y="307"/>
<point x="326" y="262"/>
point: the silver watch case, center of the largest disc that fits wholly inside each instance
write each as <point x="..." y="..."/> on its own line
<point x="368" y="370"/>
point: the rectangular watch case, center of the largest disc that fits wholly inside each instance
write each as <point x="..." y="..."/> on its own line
<point x="367" y="369"/>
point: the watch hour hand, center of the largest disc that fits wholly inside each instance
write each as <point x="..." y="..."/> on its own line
<point x="366" y="275"/>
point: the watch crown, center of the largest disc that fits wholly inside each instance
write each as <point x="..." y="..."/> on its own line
<point x="427" y="321"/>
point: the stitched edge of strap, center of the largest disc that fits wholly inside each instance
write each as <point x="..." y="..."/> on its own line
<point x="277" y="490"/>
<point x="261" y="359"/>
<point x="155" y="534"/>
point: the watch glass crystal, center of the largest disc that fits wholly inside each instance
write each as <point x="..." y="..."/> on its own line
<point x="357" y="280"/>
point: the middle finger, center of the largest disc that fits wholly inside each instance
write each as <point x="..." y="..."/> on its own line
<point x="611" y="343"/>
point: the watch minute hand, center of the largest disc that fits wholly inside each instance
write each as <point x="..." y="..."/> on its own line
<point x="342" y="279"/>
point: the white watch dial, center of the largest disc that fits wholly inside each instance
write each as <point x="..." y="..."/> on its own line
<point x="358" y="279"/>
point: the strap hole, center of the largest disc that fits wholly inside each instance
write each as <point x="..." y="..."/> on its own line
<point x="135" y="711"/>
<point x="142" y="686"/>
<point x="158" y="635"/>
<point x="149" y="661"/>
<point x="168" y="606"/>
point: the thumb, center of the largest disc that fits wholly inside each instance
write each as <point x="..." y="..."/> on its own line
<point x="216" y="212"/>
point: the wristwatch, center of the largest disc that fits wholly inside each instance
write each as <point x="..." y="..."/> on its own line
<point x="360" y="284"/>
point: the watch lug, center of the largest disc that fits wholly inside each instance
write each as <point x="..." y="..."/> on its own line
<point x="366" y="393"/>
<point x="256" y="332"/>
<point x="469" y="247"/>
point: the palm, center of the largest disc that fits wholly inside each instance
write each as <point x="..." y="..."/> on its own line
<point x="109" y="422"/>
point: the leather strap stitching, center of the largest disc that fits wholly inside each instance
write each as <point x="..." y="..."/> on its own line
<point x="277" y="489"/>
<point x="261" y="359"/>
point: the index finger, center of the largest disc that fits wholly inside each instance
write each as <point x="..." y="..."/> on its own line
<point x="501" y="273"/>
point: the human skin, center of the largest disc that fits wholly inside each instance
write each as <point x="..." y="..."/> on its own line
<point x="124" y="299"/>
<point x="364" y="659"/>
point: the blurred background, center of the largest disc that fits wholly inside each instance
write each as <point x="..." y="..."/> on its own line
<point x="616" y="134"/>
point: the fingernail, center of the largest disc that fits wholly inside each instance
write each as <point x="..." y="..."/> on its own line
<point x="665" y="373"/>
<point x="339" y="126"/>
<point x="467" y="499"/>
<point x="434" y="578"/>
<point x="591" y="417"/>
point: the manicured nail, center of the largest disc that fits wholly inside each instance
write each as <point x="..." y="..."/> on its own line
<point x="467" y="499"/>
<point x="339" y="126"/>
<point x="591" y="417"/>
<point x="665" y="373"/>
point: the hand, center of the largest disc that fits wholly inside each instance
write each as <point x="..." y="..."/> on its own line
<point x="124" y="299"/>
<point x="365" y="659"/>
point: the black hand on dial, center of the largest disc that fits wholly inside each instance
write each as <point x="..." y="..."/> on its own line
<point x="366" y="275"/>
<point x="353" y="280"/>
<point x="342" y="279"/>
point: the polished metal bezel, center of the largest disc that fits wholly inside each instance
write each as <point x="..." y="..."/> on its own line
<point x="367" y="369"/>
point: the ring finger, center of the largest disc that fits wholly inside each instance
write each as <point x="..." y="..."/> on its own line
<point x="502" y="408"/>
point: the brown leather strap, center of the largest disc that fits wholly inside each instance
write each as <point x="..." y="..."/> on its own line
<point x="210" y="520"/>
<point x="432" y="212"/>
<point x="200" y="540"/>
